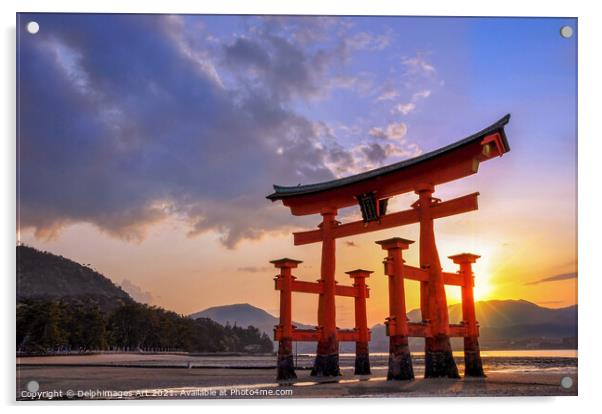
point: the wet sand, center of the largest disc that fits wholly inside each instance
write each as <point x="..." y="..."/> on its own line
<point x="135" y="376"/>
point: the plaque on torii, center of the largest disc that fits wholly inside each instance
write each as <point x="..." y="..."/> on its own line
<point x="371" y="190"/>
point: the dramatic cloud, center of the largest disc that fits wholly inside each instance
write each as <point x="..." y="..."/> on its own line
<point x="128" y="120"/>
<point x="555" y="278"/>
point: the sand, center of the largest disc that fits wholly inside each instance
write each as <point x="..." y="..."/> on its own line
<point x="134" y="376"/>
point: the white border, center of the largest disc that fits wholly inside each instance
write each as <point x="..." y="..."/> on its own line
<point x="590" y="199"/>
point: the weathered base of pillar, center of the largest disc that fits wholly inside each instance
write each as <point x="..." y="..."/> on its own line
<point x="326" y="366"/>
<point x="285" y="363"/>
<point x="400" y="359"/>
<point x="326" y="363"/>
<point x="438" y="358"/>
<point x="473" y="365"/>
<point x="362" y="359"/>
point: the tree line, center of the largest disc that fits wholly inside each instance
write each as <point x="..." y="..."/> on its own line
<point x="50" y="326"/>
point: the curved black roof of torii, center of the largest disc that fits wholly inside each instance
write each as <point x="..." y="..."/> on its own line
<point x="281" y="192"/>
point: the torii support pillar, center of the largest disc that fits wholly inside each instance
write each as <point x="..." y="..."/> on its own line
<point x="400" y="360"/>
<point x="286" y="363"/>
<point x="438" y="357"/>
<point x="473" y="365"/>
<point x="362" y="356"/>
<point x="326" y="363"/>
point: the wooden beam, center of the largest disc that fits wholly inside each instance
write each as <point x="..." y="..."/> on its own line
<point x="417" y="329"/>
<point x="347" y="335"/>
<point x="415" y="273"/>
<point x="313" y="335"/>
<point x="423" y="330"/>
<point x="454" y="279"/>
<point x="306" y="335"/>
<point x="455" y="206"/>
<point x="447" y="208"/>
<point x="301" y="286"/>
<point x="307" y="287"/>
<point x="458" y="330"/>
<point x="349" y="291"/>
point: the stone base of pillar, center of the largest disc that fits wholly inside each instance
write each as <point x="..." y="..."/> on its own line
<point x="285" y="363"/>
<point x="326" y="363"/>
<point x="362" y="359"/>
<point x="473" y="365"/>
<point x="400" y="360"/>
<point x="438" y="358"/>
<point x="326" y="366"/>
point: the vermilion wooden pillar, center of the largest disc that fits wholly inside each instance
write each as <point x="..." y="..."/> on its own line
<point x="362" y="356"/>
<point x="327" y="353"/>
<point x="286" y="363"/>
<point x="439" y="361"/>
<point x="400" y="360"/>
<point x="472" y="353"/>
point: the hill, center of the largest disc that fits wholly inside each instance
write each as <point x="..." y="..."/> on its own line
<point x="46" y="276"/>
<point x="243" y="315"/>
<point x="504" y="324"/>
<point x="505" y="313"/>
<point x="63" y="306"/>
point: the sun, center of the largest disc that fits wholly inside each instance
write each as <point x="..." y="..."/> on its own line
<point x="482" y="289"/>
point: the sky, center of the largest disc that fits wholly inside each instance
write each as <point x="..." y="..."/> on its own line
<point x="147" y="145"/>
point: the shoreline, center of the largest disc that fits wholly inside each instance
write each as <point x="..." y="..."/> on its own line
<point x="143" y="376"/>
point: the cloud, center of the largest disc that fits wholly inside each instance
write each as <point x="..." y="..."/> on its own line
<point x="136" y="292"/>
<point x="555" y="278"/>
<point x="255" y="269"/>
<point x="122" y="135"/>
<point x="128" y="120"/>
<point x="374" y="153"/>
<point x="388" y="95"/>
<point x="405" y="108"/>
<point x="425" y="93"/>
<point x="418" y="64"/>
<point x="393" y="131"/>
<point x="368" y="41"/>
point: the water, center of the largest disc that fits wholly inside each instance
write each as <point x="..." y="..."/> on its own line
<point x="511" y="360"/>
<point x="531" y="360"/>
<point x="543" y="353"/>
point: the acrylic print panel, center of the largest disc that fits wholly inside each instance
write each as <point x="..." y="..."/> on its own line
<point x="223" y="206"/>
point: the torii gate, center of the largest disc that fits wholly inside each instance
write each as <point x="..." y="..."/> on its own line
<point x="372" y="190"/>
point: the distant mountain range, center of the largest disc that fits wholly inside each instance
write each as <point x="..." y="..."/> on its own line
<point x="504" y="324"/>
<point x="43" y="276"/>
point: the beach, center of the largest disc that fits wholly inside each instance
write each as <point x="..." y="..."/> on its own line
<point x="184" y="376"/>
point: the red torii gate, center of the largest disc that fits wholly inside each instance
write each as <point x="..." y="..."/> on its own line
<point x="372" y="190"/>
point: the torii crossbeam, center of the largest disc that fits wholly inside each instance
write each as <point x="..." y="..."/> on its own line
<point x="372" y="190"/>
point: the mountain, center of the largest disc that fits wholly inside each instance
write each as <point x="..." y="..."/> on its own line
<point x="505" y="313"/>
<point x="243" y="315"/>
<point x="507" y="324"/>
<point x="44" y="276"/>
<point x="504" y="324"/>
